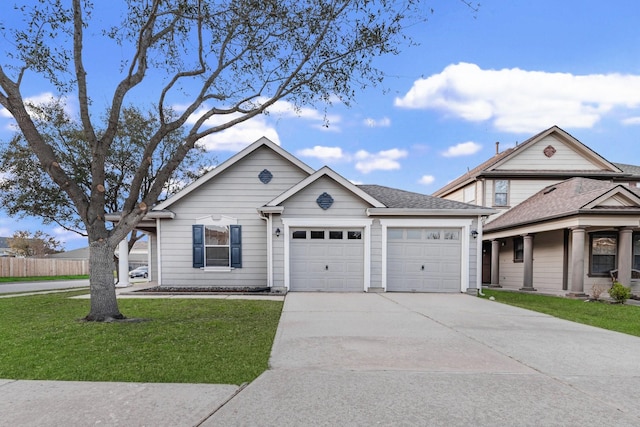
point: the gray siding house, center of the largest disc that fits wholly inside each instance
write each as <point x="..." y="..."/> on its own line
<point x="264" y="219"/>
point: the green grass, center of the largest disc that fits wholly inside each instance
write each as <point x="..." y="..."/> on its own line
<point x="40" y="278"/>
<point x="615" y="317"/>
<point x="185" y="340"/>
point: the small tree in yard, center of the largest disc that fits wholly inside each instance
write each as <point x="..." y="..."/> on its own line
<point x="25" y="244"/>
<point x="224" y="60"/>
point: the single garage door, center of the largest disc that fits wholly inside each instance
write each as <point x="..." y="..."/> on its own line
<point x="326" y="260"/>
<point x="424" y="259"/>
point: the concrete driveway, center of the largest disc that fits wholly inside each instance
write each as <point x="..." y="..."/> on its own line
<point x="437" y="360"/>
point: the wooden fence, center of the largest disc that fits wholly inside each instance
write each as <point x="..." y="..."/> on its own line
<point x="31" y="267"/>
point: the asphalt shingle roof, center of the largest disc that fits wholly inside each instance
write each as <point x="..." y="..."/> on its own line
<point x="632" y="169"/>
<point x="557" y="200"/>
<point x="394" y="198"/>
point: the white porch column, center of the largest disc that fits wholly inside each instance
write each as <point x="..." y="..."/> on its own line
<point x="625" y="249"/>
<point x="495" y="263"/>
<point x="527" y="281"/>
<point x="576" y="287"/>
<point x="123" y="264"/>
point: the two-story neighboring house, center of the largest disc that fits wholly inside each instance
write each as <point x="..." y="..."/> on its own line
<point x="568" y="219"/>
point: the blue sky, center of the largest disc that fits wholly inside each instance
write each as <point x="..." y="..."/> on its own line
<point x="505" y="73"/>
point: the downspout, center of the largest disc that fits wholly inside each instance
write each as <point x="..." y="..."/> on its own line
<point x="479" y="258"/>
<point x="269" y="249"/>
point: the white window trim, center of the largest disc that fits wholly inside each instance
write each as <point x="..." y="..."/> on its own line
<point x="328" y="223"/>
<point x="464" y="224"/>
<point x="220" y="221"/>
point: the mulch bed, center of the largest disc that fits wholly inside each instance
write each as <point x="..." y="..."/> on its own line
<point x="201" y="290"/>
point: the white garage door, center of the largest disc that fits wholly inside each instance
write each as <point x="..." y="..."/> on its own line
<point x="326" y="260"/>
<point x="424" y="259"/>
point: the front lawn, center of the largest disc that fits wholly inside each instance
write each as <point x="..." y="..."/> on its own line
<point x="183" y="341"/>
<point x="615" y="317"/>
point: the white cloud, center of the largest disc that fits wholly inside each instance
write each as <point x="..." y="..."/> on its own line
<point x="463" y="149"/>
<point x="631" y="121"/>
<point x="427" y="179"/>
<point x="384" y="122"/>
<point x="236" y="137"/>
<point x="383" y="160"/>
<point x="519" y="101"/>
<point x="67" y="237"/>
<point x="40" y="99"/>
<point x="323" y="153"/>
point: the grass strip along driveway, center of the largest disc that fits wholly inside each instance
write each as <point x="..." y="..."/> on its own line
<point x="615" y="317"/>
<point x="183" y="340"/>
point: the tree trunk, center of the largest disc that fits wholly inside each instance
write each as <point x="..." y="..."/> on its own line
<point x="104" y="305"/>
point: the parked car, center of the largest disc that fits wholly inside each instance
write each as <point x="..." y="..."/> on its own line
<point x="139" y="272"/>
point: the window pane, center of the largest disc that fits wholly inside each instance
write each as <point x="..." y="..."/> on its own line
<point x="603" y="253"/>
<point x="214" y="235"/>
<point x="317" y="234"/>
<point x="335" y="235"/>
<point x="501" y="186"/>
<point x="414" y="234"/>
<point x="501" y="199"/>
<point x="300" y="234"/>
<point x="217" y="257"/>
<point x="451" y="235"/>
<point x="394" y="233"/>
<point x="354" y="235"/>
<point x="603" y="263"/>
<point x="432" y="235"/>
<point x="604" y="245"/>
<point x="500" y="192"/>
<point x="636" y="251"/>
<point x="518" y="249"/>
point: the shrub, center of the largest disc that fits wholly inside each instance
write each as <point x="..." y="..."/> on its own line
<point x="619" y="292"/>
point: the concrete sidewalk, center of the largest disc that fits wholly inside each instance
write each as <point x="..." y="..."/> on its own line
<point x="381" y="359"/>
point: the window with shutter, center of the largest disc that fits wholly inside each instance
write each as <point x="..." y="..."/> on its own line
<point x="217" y="246"/>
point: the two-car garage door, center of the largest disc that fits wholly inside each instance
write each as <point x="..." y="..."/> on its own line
<point x="424" y="259"/>
<point x="418" y="259"/>
<point x="327" y="260"/>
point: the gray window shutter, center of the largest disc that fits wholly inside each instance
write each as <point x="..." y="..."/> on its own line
<point x="235" y="245"/>
<point x="198" y="245"/>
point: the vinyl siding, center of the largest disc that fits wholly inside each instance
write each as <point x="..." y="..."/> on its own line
<point x="519" y="189"/>
<point x="548" y="259"/>
<point x="376" y="254"/>
<point x="345" y="203"/>
<point x="473" y="259"/>
<point x="533" y="158"/>
<point x="511" y="273"/>
<point x="236" y="193"/>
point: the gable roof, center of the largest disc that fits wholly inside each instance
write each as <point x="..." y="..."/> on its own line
<point x="326" y="171"/>
<point x="262" y="142"/>
<point x="573" y="196"/>
<point x="491" y="166"/>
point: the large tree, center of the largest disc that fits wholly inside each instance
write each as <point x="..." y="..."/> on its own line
<point x="27" y="190"/>
<point x="228" y="60"/>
